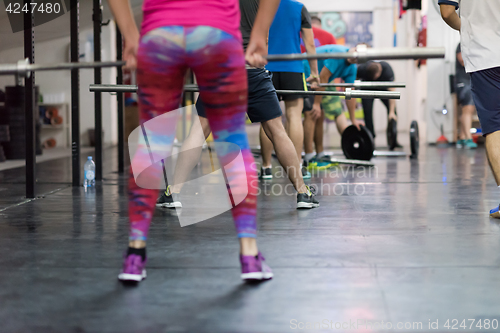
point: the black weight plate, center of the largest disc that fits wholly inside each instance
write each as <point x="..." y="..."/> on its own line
<point x="358" y="145"/>
<point x="392" y="134"/>
<point x="414" y="139"/>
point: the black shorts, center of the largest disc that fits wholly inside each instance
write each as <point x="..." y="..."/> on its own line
<point x="263" y="104"/>
<point x="486" y="92"/>
<point x="289" y="81"/>
<point x="464" y="94"/>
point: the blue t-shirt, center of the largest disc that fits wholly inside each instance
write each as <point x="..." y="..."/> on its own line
<point x="339" y="68"/>
<point x="284" y="35"/>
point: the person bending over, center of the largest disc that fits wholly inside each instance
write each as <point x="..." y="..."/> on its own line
<point x="330" y="69"/>
<point x="379" y="71"/>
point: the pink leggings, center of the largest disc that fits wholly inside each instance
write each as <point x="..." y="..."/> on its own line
<point x="217" y="60"/>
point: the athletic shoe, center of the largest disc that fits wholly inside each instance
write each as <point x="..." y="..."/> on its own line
<point x="495" y="212"/>
<point x="266" y="173"/>
<point x="169" y="199"/>
<point x="307" y="200"/>
<point x="254" y="268"/>
<point x="134" y="269"/>
<point x="319" y="164"/>
<point x="305" y="174"/>
<point x="460" y="144"/>
<point x="470" y="144"/>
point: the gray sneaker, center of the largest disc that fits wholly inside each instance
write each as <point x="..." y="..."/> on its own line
<point x="307" y="200"/>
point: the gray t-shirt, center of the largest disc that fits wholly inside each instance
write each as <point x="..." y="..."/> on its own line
<point x="461" y="77"/>
<point x="248" y="9"/>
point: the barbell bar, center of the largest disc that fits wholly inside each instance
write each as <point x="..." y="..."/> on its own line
<point x="348" y="94"/>
<point x="364" y="54"/>
<point x="24" y="68"/>
<point x="365" y="84"/>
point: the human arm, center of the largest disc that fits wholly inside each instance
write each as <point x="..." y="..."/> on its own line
<point x="392" y="104"/>
<point x="450" y="16"/>
<point x="350" y="77"/>
<point x="324" y="77"/>
<point x="122" y="12"/>
<point x="257" y="47"/>
<point x="351" y="107"/>
<point x="308" y="38"/>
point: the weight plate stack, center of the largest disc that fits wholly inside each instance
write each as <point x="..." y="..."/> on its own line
<point x="414" y="139"/>
<point x="358" y="145"/>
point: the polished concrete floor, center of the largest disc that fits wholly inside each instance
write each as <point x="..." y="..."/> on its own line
<point x="408" y="243"/>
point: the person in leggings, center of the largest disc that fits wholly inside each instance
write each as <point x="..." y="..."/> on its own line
<point x="176" y="36"/>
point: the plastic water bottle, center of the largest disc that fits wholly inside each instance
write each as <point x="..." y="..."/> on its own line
<point x="89" y="173"/>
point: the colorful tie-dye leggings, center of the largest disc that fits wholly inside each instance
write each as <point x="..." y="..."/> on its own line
<point x="217" y="60"/>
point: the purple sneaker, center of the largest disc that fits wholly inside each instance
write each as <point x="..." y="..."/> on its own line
<point x="134" y="269"/>
<point x="254" y="268"/>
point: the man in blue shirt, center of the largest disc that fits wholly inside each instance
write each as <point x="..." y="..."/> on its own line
<point x="292" y="19"/>
<point x="330" y="69"/>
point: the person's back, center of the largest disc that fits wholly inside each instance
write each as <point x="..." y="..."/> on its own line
<point x="480" y="33"/>
<point x="321" y="37"/>
<point x="284" y="36"/>
<point x="339" y="68"/>
<point x="224" y="14"/>
<point x="248" y="9"/>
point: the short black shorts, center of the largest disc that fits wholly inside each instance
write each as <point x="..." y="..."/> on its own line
<point x="289" y="81"/>
<point x="486" y="92"/>
<point x="263" y="104"/>
<point x="464" y="94"/>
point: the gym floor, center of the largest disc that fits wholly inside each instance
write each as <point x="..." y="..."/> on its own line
<point x="412" y="243"/>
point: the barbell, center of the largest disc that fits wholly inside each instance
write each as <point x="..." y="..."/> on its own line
<point x="365" y="84"/>
<point x="348" y="94"/>
<point x="362" y="53"/>
<point x="24" y="68"/>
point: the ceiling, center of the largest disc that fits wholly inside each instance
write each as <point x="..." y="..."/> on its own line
<point x="57" y="28"/>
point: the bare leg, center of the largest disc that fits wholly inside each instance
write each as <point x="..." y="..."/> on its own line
<point x="285" y="152"/>
<point x="466" y="121"/>
<point x="190" y="153"/>
<point x="266" y="147"/>
<point x="294" y="116"/>
<point x="492" y="144"/>
<point x="309" y="127"/>
<point x="318" y="133"/>
<point x="341" y="122"/>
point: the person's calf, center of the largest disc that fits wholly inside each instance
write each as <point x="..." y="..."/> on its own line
<point x="492" y="144"/>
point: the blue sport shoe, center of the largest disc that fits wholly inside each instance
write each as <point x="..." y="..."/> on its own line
<point x="470" y="144"/>
<point x="460" y="144"/>
<point x="495" y="212"/>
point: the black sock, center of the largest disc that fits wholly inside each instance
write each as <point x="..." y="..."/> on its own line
<point x="139" y="252"/>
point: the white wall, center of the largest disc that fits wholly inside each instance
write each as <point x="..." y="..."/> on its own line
<point x="56" y="51"/>
<point x="439" y="71"/>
